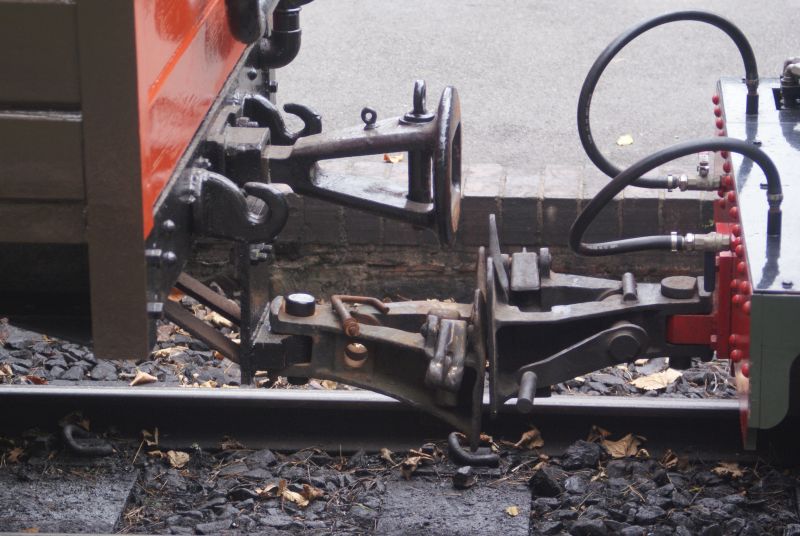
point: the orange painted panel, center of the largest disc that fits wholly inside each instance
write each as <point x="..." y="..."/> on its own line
<point x="185" y="53"/>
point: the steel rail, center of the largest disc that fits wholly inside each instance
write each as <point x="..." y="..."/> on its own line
<point x="349" y="420"/>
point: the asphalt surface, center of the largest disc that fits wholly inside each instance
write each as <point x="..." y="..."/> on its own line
<point x="519" y="65"/>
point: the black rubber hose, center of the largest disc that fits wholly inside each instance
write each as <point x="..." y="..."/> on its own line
<point x="602" y="61"/>
<point x="627" y="177"/>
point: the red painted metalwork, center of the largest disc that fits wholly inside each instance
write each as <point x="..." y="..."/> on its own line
<point x="734" y="289"/>
<point x="692" y="329"/>
<point x="185" y="53"/>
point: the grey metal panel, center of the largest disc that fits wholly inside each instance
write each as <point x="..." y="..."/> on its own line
<point x="39" y="53"/>
<point x="109" y="102"/>
<point x="41" y="155"/>
<point x="43" y="223"/>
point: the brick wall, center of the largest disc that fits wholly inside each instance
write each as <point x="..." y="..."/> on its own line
<point x="326" y="248"/>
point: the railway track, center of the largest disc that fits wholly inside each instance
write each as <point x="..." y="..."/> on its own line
<point x="352" y="420"/>
<point x="334" y="440"/>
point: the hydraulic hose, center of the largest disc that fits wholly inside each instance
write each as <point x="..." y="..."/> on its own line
<point x="672" y="242"/>
<point x="590" y="83"/>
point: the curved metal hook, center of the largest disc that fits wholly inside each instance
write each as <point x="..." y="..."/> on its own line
<point x="222" y="210"/>
<point x="266" y="114"/>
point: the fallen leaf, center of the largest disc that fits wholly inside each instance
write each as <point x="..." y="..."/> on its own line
<point x="164" y="332"/>
<point x="289" y="495"/>
<point x="168" y="352"/>
<point x="393" y="158"/>
<point x="311" y="493"/>
<point x="15" y="455"/>
<point x="177" y="458"/>
<point x="229" y="443"/>
<point x="513" y="511"/>
<point x="155" y="454"/>
<point x="150" y="438"/>
<point x="597" y="434"/>
<point x="623" y="448"/>
<point x="641" y="362"/>
<point x="218" y="320"/>
<point x="329" y="384"/>
<point x="625" y="139"/>
<point x="532" y="439"/>
<point x="669" y="459"/>
<point x="410" y="465"/>
<point x="658" y="380"/>
<point x="5" y="370"/>
<point x="728" y="469"/>
<point x="35" y="380"/>
<point x="386" y="454"/>
<point x="30" y="530"/>
<point x="142" y="378"/>
<point x="175" y="294"/>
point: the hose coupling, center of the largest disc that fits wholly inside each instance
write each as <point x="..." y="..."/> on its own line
<point x="712" y="242"/>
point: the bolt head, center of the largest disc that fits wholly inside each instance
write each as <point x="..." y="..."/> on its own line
<point x="300" y="304"/>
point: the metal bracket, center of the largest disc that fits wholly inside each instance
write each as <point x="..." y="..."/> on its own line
<point x="433" y="144"/>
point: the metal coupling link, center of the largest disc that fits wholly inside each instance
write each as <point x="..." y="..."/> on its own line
<point x="674" y="240"/>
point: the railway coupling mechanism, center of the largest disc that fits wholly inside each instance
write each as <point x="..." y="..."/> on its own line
<point x="527" y="325"/>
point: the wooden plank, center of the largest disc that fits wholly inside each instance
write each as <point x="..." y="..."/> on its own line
<point x="39" y="54"/>
<point x="42" y="223"/>
<point x="107" y="49"/>
<point x="41" y="155"/>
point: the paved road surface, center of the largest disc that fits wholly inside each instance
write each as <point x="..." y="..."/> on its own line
<point x="519" y="66"/>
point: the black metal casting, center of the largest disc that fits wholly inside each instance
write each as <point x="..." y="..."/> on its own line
<point x="433" y="144"/>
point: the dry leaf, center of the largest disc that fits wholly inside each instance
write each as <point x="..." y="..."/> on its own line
<point x="5" y="370"/>
<point x="177" y="458"/>
<point x="290" y="495"/>
<point x="728" y="469"/>
<point x="155" y="454"/>
<point x="328" y="384"/>
<point x="669" y="459"/>
<point x="386" y="454"/>
<point x="15" y="455"/>
<point x="30" y="530"/>
<point x="150" y="438"/>
<point x="597" y="434"/>
<point x="623" y="448"/>
<point x="229" y="443"/>
<point x="142" y="378"/>
<point x="164" y="332"/>
<point x="658" y="380"/>
<point x="218" y="320"/>
<point x="641" y="362"/>
<point x="410" y="465"/>
<point x="532" y="439"/>
<point x="625" y="139"/>
<point x="168" y="352"/>
<point x="208" y="384"/>
<point x="513" y="511"/>
<point x="393" y="158"/>
<point x="311" y="493"/>
<point x="35" y="380"/>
